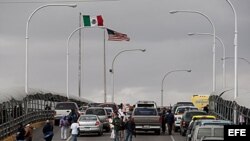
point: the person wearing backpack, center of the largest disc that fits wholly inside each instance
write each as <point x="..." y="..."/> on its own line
<point x="64" y="125"/>
<point x="73" y="115"/>
<point x="117" y="125"/>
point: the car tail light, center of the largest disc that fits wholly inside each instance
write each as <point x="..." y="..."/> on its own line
<point x="97" y="123"/>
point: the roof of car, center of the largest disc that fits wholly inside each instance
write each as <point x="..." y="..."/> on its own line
<point x="206" y="138"/>
<point x="203" y="117"/>
<point x="184" y="106"/>
<point x="216" y="121"/>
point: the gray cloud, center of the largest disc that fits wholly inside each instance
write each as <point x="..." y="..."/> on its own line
<point x="138" y="75"/>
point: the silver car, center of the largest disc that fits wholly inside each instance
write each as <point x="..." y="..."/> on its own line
<point x="102" y="114"/>
<point x="90" y="124"/>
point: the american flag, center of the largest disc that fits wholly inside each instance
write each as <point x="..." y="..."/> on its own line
<point x="116" y="36"/>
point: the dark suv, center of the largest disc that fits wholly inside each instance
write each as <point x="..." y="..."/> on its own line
<point x="186" y="118"/>
<point x="102" y="114"/>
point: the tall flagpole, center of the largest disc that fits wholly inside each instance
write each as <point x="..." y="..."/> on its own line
<point x="104" y="61"/>
<point x="80" y="59"/>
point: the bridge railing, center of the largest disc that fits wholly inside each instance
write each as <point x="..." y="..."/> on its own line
<point x="29" y="109"/>
<point x="224" y="109"/>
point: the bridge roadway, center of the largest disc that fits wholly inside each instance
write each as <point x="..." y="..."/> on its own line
<point x="150" y="136"/>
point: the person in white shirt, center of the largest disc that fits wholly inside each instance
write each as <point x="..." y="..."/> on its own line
<point x="74" y="130"/>
<point x="241" y="119"/>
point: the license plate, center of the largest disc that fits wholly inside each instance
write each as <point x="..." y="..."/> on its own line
<point x="87" y="128"/>
<point x="146" y="126"/>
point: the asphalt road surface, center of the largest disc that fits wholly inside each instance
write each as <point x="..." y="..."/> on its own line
<point x="142" y="136"/>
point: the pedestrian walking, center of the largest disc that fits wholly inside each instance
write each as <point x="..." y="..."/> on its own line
<point x="20" y="136"/>
<point x="205" y="108"/>
<point x="242" y="119"/>
<point x="170" y="121"/>
<point x="112" y="135"/>
<point x="117" y="125"/>
<point x="64" y="125"/>
<point x="130" y="129"/>
<point x="163" y="121"/>
<point x="73" y="116"/>
<point x="74" y="130"/>
<point x="122" y="129"/>
<point x="29" y="132"/>
<point x="47" y="107"/>
<point x="48" y="131"/>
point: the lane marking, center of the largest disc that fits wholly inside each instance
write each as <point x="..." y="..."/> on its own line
<point x="172" y="138"/>
<point x="69" y="138"/>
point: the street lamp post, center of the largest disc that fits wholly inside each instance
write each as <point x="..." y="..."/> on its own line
<point x="112" y="68"/>
<point x="244" y="59"/>
<point x="164" y="79"/>
<point x="224" y="54"/>
<point x="235" y="58"/>
<point x="27" y="37"/>
<point x="197" y="12"/>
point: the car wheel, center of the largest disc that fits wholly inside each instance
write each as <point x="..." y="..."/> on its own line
<point x="108" y="129"/>
<point x="183" y="133"/>
<point x="158" y="132"/>
<point x="175" y="129"/>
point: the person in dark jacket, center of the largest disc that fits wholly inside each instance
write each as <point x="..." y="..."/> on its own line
<point x="48" y="131"/>
<point x="163" y="121"/>
<point x="117" y="125"/>
<point x="20" y="133"/>
<point x="170" y="121"/>
<point x="130" y="129"/>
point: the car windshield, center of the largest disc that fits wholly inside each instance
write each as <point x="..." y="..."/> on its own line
<point x="63" y="106"/>
<point x="98" y="112"/>
<point x="145" y="111"/>
<point x="87" y="118"/>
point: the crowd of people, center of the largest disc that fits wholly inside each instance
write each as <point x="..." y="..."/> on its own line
<point x="24" y="133"/>
<point x="122" y="128"/>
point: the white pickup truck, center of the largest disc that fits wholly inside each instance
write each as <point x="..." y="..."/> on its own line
<point x="147" y="119"/>
<point x="63" y="109"/>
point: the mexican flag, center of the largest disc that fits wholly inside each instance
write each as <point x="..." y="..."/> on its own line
<point x="92" y="20"/>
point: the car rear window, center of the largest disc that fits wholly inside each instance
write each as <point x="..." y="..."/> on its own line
<point x="145" y="111"/>
<point x="109" y="111"/>
<point x="99" y="112"/>
<point x="203" y="132"/>
<point x="87" y="118"/>
<point x="64" y="106"/>
<point x="218" y="132"/>
<point x="189" y="115"/>
<point x="182" y="110"/>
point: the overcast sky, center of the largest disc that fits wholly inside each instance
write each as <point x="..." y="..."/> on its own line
<point x="138" y="75"/>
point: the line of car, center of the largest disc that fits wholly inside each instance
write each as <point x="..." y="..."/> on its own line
<point x="93" y="118"/>
<point x="198" y="125"/>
